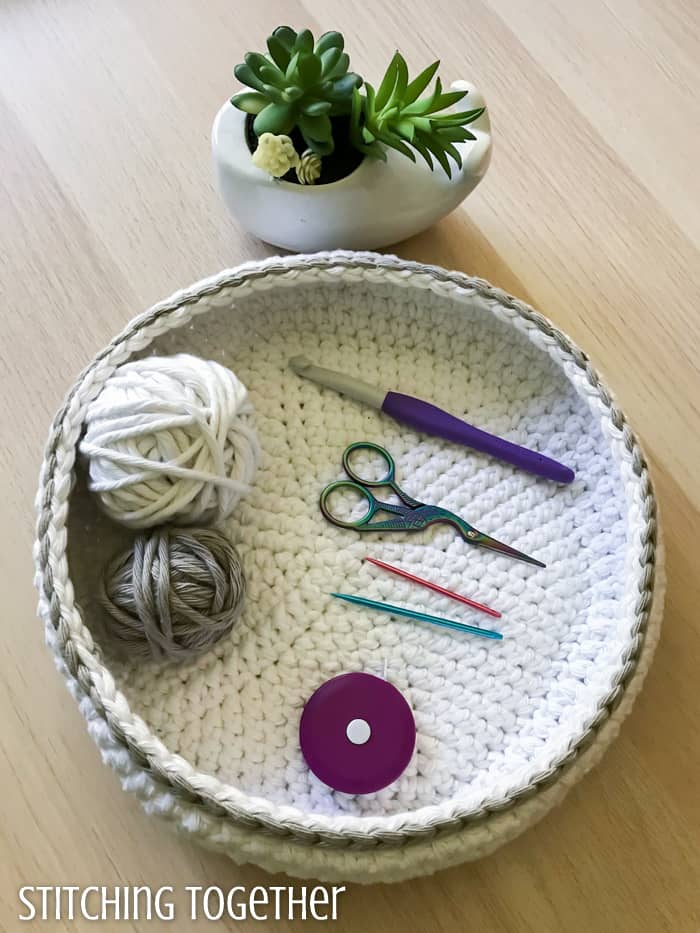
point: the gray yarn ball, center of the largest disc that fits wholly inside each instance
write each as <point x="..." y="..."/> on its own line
<point x="174" y="594"/>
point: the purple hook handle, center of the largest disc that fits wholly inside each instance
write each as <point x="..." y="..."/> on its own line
<point x="429" y="419"/>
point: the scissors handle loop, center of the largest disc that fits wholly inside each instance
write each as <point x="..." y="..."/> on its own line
<point x="385" y="480"/>
<point x="356" y="487"/>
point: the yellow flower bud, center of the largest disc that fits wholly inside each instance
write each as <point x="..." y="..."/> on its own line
<point x="275" y="155"/>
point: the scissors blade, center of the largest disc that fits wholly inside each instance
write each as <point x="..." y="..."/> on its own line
<point x="491" y="544"/>
<point x="426" y="515"/>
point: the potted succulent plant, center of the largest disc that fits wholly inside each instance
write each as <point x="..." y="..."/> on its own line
<point x="311" y="157"/>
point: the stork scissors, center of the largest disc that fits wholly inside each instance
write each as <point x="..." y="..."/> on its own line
<point x="411" y="515"/>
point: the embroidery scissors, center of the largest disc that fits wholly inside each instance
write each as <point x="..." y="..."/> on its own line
<point x="411" y="515"/>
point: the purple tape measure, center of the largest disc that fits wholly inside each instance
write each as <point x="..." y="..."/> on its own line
<point x="357" y="733"/>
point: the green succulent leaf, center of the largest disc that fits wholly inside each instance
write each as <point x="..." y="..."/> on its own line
<point x="309" y="69"/>
<point x="286" y="36"/>
<point x="436" y="150"/>
<point x="421" y="123"/>
<point x="461" y="119"/>
<point x="426" y="104"/>
<point x="387" y="84"/>
<point x="275" y="118"/>
<point x="318" y="127"/>
<point x="355" y="112"/>
<point x="255" y="61"/>
<point x="274" y="94"/>
<point x="388" y="115"/>
<point x="401" y="78"/>
<point x="442" y="159"/>
<point x="292" y="93"/>
<point x="279" y="52"/>
<point x="419" y="84"/>
<point x="449" y="99"/>
<point x="292" y="71"/>
<point x="449" y="149"/>
<point x="315" y="108"/>
<point x="329" y="59"/>
<point x="395" y="141"/>
<point x="423" y="106"/>
<point x="406" y="128"/>
<point x="436" y="103"/>
<point x="272" y="75"/>
<point x="343" y="87"/>
<point x="249" y="101"/>
<point x="329" y="40"/>
<point x="455" y="134"/>
<point x="422" y="150"/>
<point x="304" y="41"/>
<point x="340" y="67"/>
<point x="246" y="76"/>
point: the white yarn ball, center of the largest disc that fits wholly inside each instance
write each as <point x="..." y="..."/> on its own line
<point x="170" y="438"/>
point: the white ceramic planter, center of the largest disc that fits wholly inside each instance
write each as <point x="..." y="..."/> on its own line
<point x="378" y="204"/>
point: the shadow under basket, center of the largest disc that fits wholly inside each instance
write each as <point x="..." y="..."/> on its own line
<point x="503" y="728"/>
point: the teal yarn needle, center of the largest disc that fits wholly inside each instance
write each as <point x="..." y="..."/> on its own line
<point x="421" y="616"/>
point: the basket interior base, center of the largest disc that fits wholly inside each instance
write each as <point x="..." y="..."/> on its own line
<point x="488" y="714"/>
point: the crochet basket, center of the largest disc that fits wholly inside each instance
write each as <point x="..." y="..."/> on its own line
<point x="503" y="728"/>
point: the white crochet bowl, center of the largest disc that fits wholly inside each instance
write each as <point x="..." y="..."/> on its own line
<point x="503" y="728"/>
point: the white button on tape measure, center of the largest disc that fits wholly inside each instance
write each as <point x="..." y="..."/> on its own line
<point x="358" y="731"/>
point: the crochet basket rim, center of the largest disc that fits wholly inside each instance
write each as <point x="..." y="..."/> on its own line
<point x="78" y="655"/>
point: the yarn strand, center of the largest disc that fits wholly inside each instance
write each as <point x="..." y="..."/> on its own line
<point x="170" y="438"/>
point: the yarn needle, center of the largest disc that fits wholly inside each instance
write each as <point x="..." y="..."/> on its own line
<point x="420" y="616"/>
<point x="435" y="587"/>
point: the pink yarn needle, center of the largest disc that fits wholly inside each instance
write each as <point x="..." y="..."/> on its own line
<point x="434" y="586"/>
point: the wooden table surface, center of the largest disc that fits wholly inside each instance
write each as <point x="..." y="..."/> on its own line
<point x="590" y="211"/>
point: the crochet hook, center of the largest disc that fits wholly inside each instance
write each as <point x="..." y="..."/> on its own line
<point x="435" y="587"/>
<point x="421" y="616"/>
<point x="428" y="418"/>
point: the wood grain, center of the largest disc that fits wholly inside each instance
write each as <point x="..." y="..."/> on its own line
<point x="590" y="212"/>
